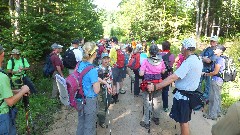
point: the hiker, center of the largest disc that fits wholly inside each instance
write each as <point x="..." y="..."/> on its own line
<point x="133" y="43"/>
<point x="72" y="56"/>
<point x="168" y="59"/>
<point x="8" y="98"/>
<point x="58" y="66"/>
<point x="179" y="60"/>
<point x="104" y="98"/>
<point x="136" y="52"/>
<point x="117" y="63"/>
<point x="208" y="58"/>
<point x="214" y="108"/>
<point x="151" y="69"/>
<point x="187" y="78"/>
<point x="88" y="115"/>
<point x="17" y="67"/>
<point x="229" y="124"/>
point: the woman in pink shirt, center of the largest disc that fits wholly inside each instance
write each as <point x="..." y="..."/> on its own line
<point x="151" y="69"/>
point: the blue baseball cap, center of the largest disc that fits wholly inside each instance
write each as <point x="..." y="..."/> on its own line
<point x="104" y="55"/>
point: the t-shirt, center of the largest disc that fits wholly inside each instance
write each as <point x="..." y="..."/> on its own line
<point x="17" y="64"/>
<point x="89" y="79"/>
<point x="220" y="61"/>
<point x="113" y="55"/>
<point x="171" y="58"/>
<point x="78" y="53"/>
<point x="189" y="74"/>
<point x="208" y="52"/>
<point x="134" y="44"/>
<point x="151" y="69"/>
<point x="101" y="70"/>
<point x="5" y="92"/>
<point x="56" y="61"/>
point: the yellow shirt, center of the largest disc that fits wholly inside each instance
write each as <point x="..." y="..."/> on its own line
<point x="113" y="55"/>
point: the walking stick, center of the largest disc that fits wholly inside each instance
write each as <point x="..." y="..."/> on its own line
<point x="28" y="115"/>
<point x="149" y="115"/>
<point x="131" y="84"/>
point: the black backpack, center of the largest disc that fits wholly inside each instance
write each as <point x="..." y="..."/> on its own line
<point x="229" y="72"/>
<point x="168" y="67"/>
<point x="48" y="67"/>
<point x="69" y="59"/>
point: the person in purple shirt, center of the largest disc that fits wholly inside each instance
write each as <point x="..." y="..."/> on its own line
<point x="216" y="84"/>
<point x="169" y="59"/>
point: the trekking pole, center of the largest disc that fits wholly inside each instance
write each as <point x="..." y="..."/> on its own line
<point x="131" y="84"/>
<point x="28" y="115"/>
<point x="107" y="109"/>
<point x="149" y="115"/>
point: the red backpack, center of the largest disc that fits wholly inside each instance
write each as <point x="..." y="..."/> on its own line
<point x="74" y="85"/>
<point x="120" y="58"/>
<point x="134" y="62"/>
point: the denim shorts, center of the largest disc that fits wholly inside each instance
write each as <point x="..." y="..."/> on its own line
<point x="7" y="127"/>
<point x="117" y="75"/>
<point x="180" y="111"/>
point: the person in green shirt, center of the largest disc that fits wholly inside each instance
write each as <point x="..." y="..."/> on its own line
<point x="8" y="98"/>
<point x="17" y="67"/>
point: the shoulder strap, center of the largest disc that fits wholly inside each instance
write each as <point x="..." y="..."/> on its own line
<point x="13" y="63"/>
<point x="2" y="102"/>
<point x="166" y="56"/>
<point x="23" y="62"/>
<point x="82" y="74"/>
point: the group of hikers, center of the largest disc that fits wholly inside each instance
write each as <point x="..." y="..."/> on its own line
<point x="112" y="62"/>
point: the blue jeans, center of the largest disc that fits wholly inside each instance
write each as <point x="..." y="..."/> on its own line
<point x="7" y="127"/>
<point x="165" y="96"/>
<point x="207" y="86"/>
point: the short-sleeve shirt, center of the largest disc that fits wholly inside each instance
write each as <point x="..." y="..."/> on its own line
<point x="208" y="52"/>
<point x="221" y="62"/>
<point x="102" y="70"/>
<point x="151" y="69"/>
<point x="89" y="79"/>
<point x="5" y="92"/>
<point x="17" y="64"/>
<point x="56" y="61"/>
<point x="189" y="74"/>
<point x="113" y="55"/>
<point x="78" y="54"/>
<point x="171" y="58"/>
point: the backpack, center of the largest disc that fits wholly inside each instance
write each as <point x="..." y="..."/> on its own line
<point x="70" y="89"/>
<point x="229" y="72"/>
<point x="48" y="67"/>
<point x="69" y="59"/>
<point x="13" y="63"/>
<point x="168" y="67"/>
<point x="133" y="62"/>
<point x="120" y="58"/>
<point x="101" y="48"/>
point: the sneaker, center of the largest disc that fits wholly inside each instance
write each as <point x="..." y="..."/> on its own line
<point x="102" y="125"/>
<point x="142" y="123"/>
<point x="147" y="126"/>
<point x="156" y="120"/>
<point x="122" y="91"/>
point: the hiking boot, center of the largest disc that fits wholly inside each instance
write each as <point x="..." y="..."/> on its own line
<point x="147" y="126"/>
<point x="122" y="91"/>
<point x="156" y="120"/>
<point x="102" y="125"/>
<point x="142" y="123"/>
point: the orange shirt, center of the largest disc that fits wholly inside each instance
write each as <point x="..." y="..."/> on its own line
<point x="134" y="44"/>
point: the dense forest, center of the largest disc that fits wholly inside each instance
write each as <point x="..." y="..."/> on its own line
<point x="33" y="25"/>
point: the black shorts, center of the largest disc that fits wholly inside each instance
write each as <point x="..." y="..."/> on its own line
<point x="180" y="111"/>
<point x="117" y="75"/>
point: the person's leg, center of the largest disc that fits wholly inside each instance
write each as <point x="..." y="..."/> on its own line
<point x="80" y="126"/>
<point x="29" y="83"/>
<point x="184" y="128"/>
<point x="121" y="75"/>
<point x="136" y="83"/>
<point x="101" y="111"/>
<point x="145" y="118"/>
<point x="165" y="97"/>
<point x="207" y="86"/>
<point x="156" y="107"/>
<point x="90" y="111"/>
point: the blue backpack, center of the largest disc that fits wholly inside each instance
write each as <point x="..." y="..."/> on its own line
<point x="48" y="67"/>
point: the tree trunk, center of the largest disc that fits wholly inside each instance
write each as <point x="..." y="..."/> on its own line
<point x="213" y="26"/>
<point x="207" y="19"/>
<point x="16" y="20"/>
<point x="197" y="18"/>
<point x="201" y="19"/>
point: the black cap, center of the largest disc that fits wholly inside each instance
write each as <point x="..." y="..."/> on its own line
<point x="114" y="39"/>
<point x="75" y="41"/>
<point x="221" y="47"/>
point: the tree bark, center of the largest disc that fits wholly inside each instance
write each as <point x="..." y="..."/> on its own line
<point x="207" y="19"/>
<point x="197" y="18"/>
<point x="201" y="19"/>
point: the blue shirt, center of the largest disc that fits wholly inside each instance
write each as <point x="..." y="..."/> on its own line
<point x="208" y="52"/>
<point x="89" y="79"/>
<point x="220" y="61"/>
<point x="189" y="74"/>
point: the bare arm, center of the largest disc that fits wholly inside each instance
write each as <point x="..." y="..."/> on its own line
<point x="216" y="70"/>
<point x="59" y="70"/>
<point x="96" y="87"/>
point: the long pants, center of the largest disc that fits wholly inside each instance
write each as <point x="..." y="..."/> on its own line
<point x="7" y="126"/>
<point x="104" y="100"/>
<point x="87" y="118"/>
<point x="207" y="86"/>
<point x="148" y="106"/>
<point x="165" y="96"/>
<point x="215" y="99"/>
<point x="136" y="82"/>
<point x="55" y="88"/>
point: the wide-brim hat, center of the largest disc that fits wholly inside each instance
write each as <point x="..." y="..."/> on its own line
<point x="15" y="51"/>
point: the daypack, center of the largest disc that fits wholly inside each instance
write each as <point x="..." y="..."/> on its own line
<point x="48" y="67"/>
<point x="229" y="72"/>
<point x="74" y="86"/>
<point x="120" y="58"/>
<point x="69" y="59"/>
<point x="13" y="63"/>
<point x="101" y="48"/>
<point x="134" y="62"/>
<point x="167" y="65"/>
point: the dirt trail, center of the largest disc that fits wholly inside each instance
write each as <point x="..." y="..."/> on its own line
<point x="125" y="117"/>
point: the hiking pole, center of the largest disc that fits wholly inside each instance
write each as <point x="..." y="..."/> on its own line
<point x="28" y="115"/>
<point x="149" y="115"/>
<point x="131" y="84"/>
<point x="107" y="109"/>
